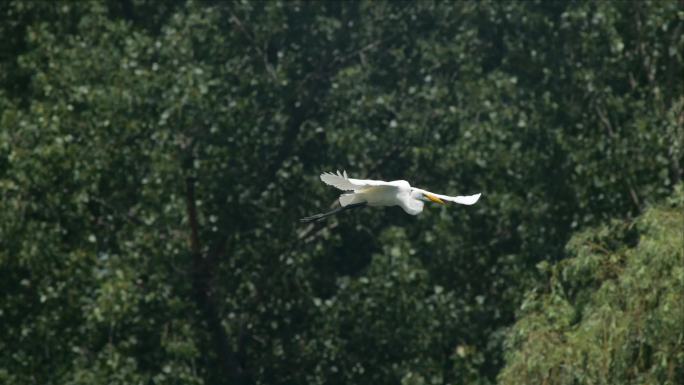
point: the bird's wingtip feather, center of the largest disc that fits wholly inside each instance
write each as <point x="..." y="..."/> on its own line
<point x="474" y="198"/>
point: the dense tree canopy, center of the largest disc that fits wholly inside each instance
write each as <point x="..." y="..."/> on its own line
<point x="155" y="159"/>
<point x="613" y="313"/>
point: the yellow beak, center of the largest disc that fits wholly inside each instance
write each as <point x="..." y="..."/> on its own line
<point x="435" y="199"/>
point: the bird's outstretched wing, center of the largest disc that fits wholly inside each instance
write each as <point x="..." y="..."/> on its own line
<point x="461" y="199"/>
<point x="342" y="182"/>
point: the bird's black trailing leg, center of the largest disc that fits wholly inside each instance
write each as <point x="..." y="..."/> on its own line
<point x="318" y="217"/>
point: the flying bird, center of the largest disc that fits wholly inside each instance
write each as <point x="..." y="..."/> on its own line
<point x="367" y="192"/>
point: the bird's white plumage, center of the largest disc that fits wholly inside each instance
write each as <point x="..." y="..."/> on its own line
<point x="394" y="193"/>
<point x="461" y="199"/>
<point x="342" y="182"/>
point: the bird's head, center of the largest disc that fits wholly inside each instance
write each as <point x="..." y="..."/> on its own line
<point x="425" y="196"/>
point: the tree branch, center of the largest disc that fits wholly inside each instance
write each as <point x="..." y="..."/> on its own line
<point x="238" y="23"/>
<point x="229" y="370"/>
<point x="606" y="122"/>
<point x="192" y="216"/>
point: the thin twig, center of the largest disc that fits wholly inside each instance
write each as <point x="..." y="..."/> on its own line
<point x="634" y="196"/>
<point x="604" y="119"/>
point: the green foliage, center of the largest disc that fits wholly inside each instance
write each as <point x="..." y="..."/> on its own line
<point x="155" y="159"/>
<point x="612" y="313"/>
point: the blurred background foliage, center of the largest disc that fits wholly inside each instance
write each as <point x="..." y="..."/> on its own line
<point x="155" y="158"/>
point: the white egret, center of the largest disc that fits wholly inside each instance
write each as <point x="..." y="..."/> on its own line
<point x="366" y="192"/>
